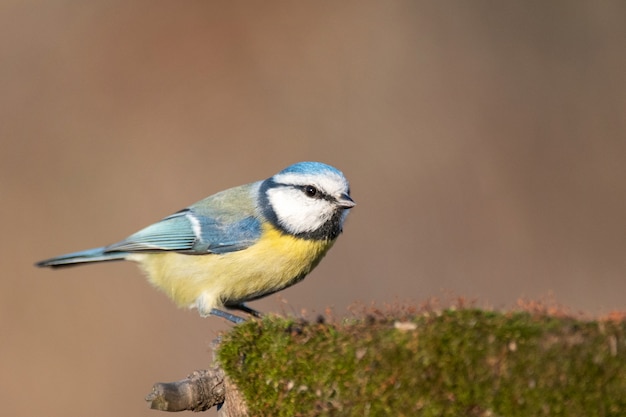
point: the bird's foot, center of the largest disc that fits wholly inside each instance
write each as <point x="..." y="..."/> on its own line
<point x="230" y="317"/>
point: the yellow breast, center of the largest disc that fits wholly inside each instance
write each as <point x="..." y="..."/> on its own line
<point x="209" y="281"/>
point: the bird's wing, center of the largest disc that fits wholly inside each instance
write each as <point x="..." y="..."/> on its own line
<point x="190" y="232"/>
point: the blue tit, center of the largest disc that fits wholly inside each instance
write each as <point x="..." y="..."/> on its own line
<point x="240" y="244"/>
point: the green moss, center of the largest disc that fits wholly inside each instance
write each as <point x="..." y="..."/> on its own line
<point x="466" y="362"/>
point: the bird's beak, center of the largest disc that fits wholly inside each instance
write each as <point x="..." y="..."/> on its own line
<point x="345" y="202"/>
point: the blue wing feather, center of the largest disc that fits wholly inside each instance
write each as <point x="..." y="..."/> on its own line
<point x="221" y="237"/>
<point x="172" y="233"/>
<point x="189" y="232"/>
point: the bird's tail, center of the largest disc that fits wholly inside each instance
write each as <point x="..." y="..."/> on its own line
<point x="85" y="256"/>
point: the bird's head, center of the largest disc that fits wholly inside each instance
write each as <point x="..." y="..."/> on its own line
<point x="307" y="199"/>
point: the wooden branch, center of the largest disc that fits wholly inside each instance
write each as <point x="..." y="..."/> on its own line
<point x="234" y="405"/>
<point x="200" y="391"/>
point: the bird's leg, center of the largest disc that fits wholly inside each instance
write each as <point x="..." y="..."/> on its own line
<point x="230" y="317"/>
<point x="247" y="310"/>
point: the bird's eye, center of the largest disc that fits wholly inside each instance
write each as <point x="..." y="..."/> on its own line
<point x="310" y="191"/>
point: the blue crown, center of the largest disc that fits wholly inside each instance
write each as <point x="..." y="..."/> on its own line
<point x="310" y="168"/>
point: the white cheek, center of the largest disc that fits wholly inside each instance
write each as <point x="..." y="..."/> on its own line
<point x="298" y="213"/>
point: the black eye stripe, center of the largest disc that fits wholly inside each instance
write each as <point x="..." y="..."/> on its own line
<point x="312" y="191"/>
<point x="319" y="194"/>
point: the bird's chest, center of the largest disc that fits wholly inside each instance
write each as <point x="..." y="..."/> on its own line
<point x="274" y="262"/>
<point x="276" y="258"/>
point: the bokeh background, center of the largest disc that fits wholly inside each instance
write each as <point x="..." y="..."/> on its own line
<point x="485" y="142"/>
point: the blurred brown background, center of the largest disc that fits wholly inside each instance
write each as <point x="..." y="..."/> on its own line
<point x="485" y="143"/>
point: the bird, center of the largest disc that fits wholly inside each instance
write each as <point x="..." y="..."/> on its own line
<point x="237" y="245"/>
